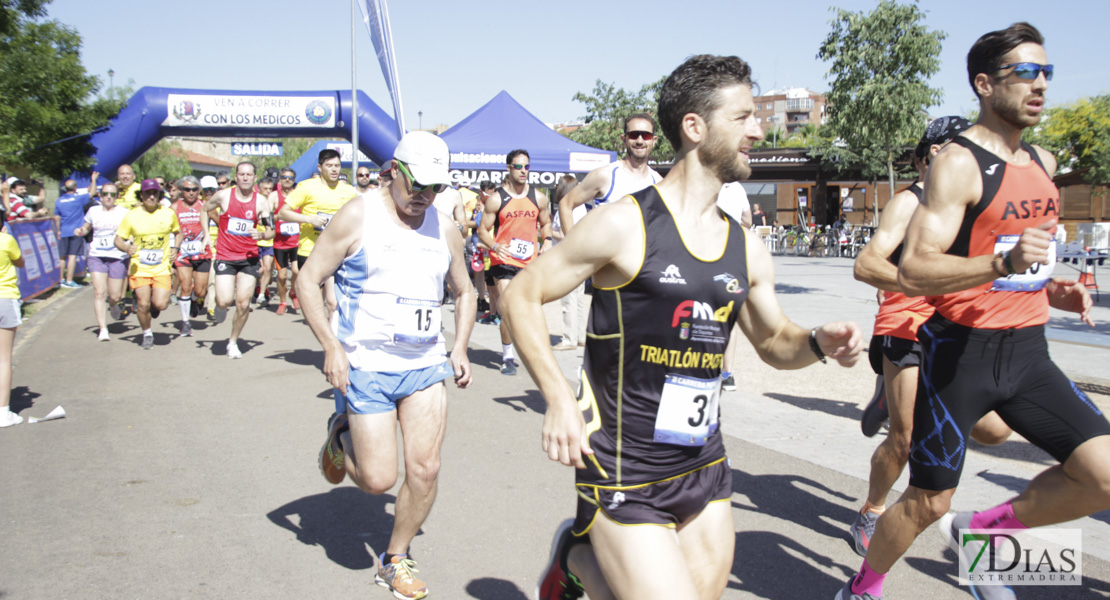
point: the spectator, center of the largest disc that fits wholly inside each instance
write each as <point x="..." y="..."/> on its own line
<point x="17" y="201"/>
<point x="759" y="218"/>
<point x="10" y="318"/>
<point x="70" y="210"/>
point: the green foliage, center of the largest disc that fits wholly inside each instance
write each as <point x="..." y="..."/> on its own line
<point x="606" y="108"/>
<point x="881" y="62"/>
<point x="1079" y="135"/>
<point x="292" y="149"/>
<point x="48" y="96"/>
<point x="166" y="159"/>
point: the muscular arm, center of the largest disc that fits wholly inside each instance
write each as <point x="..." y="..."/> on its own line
<point x="466" y="303"/>
<point x="592" y="187"/>
<point x="334" y="244"/>
<point x="552" y="275"/>
<point x="489" y="217"/>
<point x="544" y="221"/>
<point x="873" y="266"/>
<point x="779" y="341"/>
<point x="459" y="212"/>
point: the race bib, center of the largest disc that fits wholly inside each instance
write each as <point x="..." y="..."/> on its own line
<point x="288" y="229"/>
<point x="1033" y="279"/>
<point x="688" y="410"/>
<point x="327" y="219"/>
<point x="416" y="321"/>
<point x="239" y="227"/>
<point x="104" y="241"/>
<point x="150" y="257"/>
<point x="521" y="249"/>
<point x="192" y="247"/>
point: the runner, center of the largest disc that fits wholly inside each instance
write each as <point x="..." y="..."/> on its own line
<point x="194" y="262"/>
<point x="513" y="215"/>
<point x="208" y="188"/>
<point x="390" y="255"/>
<point x="644" y="434"/>
<point x="10" y="318"/>
<point x="147" y="234"/>
<point x="980" y="245"/>
<point x="107" y="264"/>
<point x="895" y="353"/>
<point x="614" y="181"/>
<point x="285" y="241"/>
<point x="242" y="209"/>
<point x="266" y="249"/>
<point x="313" y="204"/>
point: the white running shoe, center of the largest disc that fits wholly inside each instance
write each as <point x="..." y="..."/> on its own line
<point x="103" y="337"/>
<point x="233" y="350"/>
<point x="8" y="418"/>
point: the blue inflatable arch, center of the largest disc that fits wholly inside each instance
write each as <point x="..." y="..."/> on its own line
<point x="154" y="113"/>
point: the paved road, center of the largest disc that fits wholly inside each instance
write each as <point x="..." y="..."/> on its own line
<point x="181" y="474"/>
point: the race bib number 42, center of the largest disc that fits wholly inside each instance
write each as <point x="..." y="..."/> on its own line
<point x="1033" y="279"/>
<point x="150" y="257"/>
<point x="688" y="410"/>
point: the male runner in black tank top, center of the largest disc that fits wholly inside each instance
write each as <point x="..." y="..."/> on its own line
<point x="672" y="277"/>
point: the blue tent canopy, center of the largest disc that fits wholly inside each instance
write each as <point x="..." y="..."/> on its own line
<point x="305" y="166"/>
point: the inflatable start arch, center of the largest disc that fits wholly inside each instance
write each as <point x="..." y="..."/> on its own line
<point x="154" y="113"/>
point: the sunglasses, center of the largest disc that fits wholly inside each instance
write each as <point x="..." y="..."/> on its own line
<point x="289" y="177"/>
<point x="1030" y="71"/>
<point x="108" y="194"/>
<point x="640" y="135"/>
<point x="209" y="190"/>
<point x="190" y="189"/>
<point x="519" y="167"/>
<point x="361" y="175"/>
<point x="419" y="187"/>
<point x="222" y="183"/>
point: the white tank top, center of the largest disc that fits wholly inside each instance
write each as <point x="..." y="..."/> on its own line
<point x="389" y="294"/>
<point x="623" y="183"/>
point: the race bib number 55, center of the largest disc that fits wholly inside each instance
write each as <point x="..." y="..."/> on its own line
<point x="688" y="410"/>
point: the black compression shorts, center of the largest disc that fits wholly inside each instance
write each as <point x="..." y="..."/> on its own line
<point x="900" y="352"/>
<point x="286" y="256"/>
<point x="966" y="373"/>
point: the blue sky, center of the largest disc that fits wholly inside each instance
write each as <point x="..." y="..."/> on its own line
<point x="454" y="56"/>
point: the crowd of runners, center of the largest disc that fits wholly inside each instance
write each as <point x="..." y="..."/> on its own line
<point x="963" y="257"/>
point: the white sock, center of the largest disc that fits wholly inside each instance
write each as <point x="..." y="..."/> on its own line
<point x="184" y="306"/>
<point x="506" y="352"/>
<point x="147" y="332"/>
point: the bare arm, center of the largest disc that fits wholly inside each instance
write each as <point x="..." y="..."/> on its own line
<point x="334" y="244"/>
<point x="466" y="303"/>
<point x="779" y="341"/>
<point x="18" y="262"/>
<point x="746" y="219"/>
<point x="552" y="275"/>
<point x="593" y="186"/>
<point x="544" y="221"/>
<point x="218" y="202"/>
<point x="873" y="264"/>
<point x="459" y="212"/>
<point x="485" y="232"/>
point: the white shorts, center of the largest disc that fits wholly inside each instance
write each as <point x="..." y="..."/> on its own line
<point x="11" y="315"/>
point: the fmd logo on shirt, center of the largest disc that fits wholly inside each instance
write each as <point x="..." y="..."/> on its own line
<point x="671" y="275"/>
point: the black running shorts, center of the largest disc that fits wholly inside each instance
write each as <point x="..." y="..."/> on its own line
<point x="249" y="266"/>
<point x="198" y="265"/>
<point x="900" y="352"/>
<point x="966" y="373"/>
<point x="668" y="502"/>
<point x="286" y="256"/>
<point x="502" y="272"/>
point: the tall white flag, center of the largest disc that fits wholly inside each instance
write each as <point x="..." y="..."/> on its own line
<point x="375" y="15"/>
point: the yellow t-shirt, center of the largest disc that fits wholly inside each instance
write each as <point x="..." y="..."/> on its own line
<point x="152" y="233"/>
<point x="470" y="201"/>
<point x="128" y="197"/>
<point x="313" y="197"/>
<point x="9" y="278"/>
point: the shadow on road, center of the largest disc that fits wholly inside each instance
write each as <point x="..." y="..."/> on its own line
<point x="22" y="397"/>
<point x="772" y="565"/>
<point x="219" y="347"/>
<point x="796" y="499"/>
<point x="532" y="399"/>
<point x="488" y="588"/>
<point x="484" y="358"/>
<point x="836" y="408"/>
<point x="785" y="288"/>
<point x="301" y="356"/>
<point x="1018" y="449"/>
<point x="343" y="522"/>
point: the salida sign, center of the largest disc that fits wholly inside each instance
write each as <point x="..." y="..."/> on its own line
<point x="270" y="112"/>
<point x="256" y="149"/>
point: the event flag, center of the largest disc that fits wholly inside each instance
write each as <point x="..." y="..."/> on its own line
<point x="375" y="15"/>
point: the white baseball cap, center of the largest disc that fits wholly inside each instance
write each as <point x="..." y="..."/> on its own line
<point x="426" y="157"/>
<point x="12" y="180"/>
<point x="209" y="182"/>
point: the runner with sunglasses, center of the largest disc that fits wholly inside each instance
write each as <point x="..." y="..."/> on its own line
<point x="390" y="252"/>
<point x="313" y="204"/>
<point x="286" y="238"/>
<point x="981" y="248"/>
<point x="194" y="261"/>
<point x="515" y="219"/>
<point x="614" y="181"/>
<point x="107" y="264"/>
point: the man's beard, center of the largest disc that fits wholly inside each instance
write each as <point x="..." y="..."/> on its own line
<point x="723" y="161"/>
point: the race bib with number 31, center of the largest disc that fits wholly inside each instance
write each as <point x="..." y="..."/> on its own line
<point x="688" y="409"/>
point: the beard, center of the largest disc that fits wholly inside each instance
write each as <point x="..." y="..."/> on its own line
<point x="1013" y="114"/>
<point x="722" y="160"/>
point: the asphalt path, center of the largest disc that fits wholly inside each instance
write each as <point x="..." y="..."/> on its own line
<point x="178" y="473"/>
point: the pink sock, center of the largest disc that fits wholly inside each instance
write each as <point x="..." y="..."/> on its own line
<point x="868" y="581"/>
<point x="999" y="517"/>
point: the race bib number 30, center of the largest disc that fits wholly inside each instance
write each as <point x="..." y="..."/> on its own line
<point x="1033" y="279"/>
<point x="239" y="227"/>
<point x="688" y="410"/>
<point x="416" y="321"/>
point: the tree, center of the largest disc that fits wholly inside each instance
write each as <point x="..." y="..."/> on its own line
<point x="164" y="159"/>
<point x="881" y="62"/>
<point x="1079" y="135"/>
<point x="606" y="108"/>
<point x="49" y="105"/>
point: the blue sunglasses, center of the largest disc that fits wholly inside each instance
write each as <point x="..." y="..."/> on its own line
<point x="1028" y="70"/>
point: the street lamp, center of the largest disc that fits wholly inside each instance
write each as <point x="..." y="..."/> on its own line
<point x="111" y="74"/>
<point x="420" y="116"/>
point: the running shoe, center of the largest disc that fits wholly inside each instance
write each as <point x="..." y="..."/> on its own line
<point x="497" y="319"/>
<point x="280" y="309"/>
<point x="508" y="367"/>
<point x="148" y="341"/>
<point x="154" y="311"/>
<point x="8" y="418"/>
<point x="116" y="310"/>
<point x="194" y="309"/>
<point x="233" y="350"/>
<point x="728" y="384"/>
<point x="103" y="337"/>
<point x="846" y="593"/>
<point x="862" y="531"/>
<point x="173" y="299"/>
<point x="949" y="527"/>
<point x="261" y="300"/>
<point x="331" y="454"/>
<point x="565" y="345"/>
<point x="211" y="314"/>
<point x="186" y="329"/>
<point x="877" y="410"/>
<point x="220" y="314"/>
<point x="69" y="284"/>
<point x="556" y="583"/>
<point x="296" y="303"/>
<point x="486" y="319"/>
<point x="400" y="577"/>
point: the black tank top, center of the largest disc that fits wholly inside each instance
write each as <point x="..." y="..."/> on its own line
<point x="651" y="374"/>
